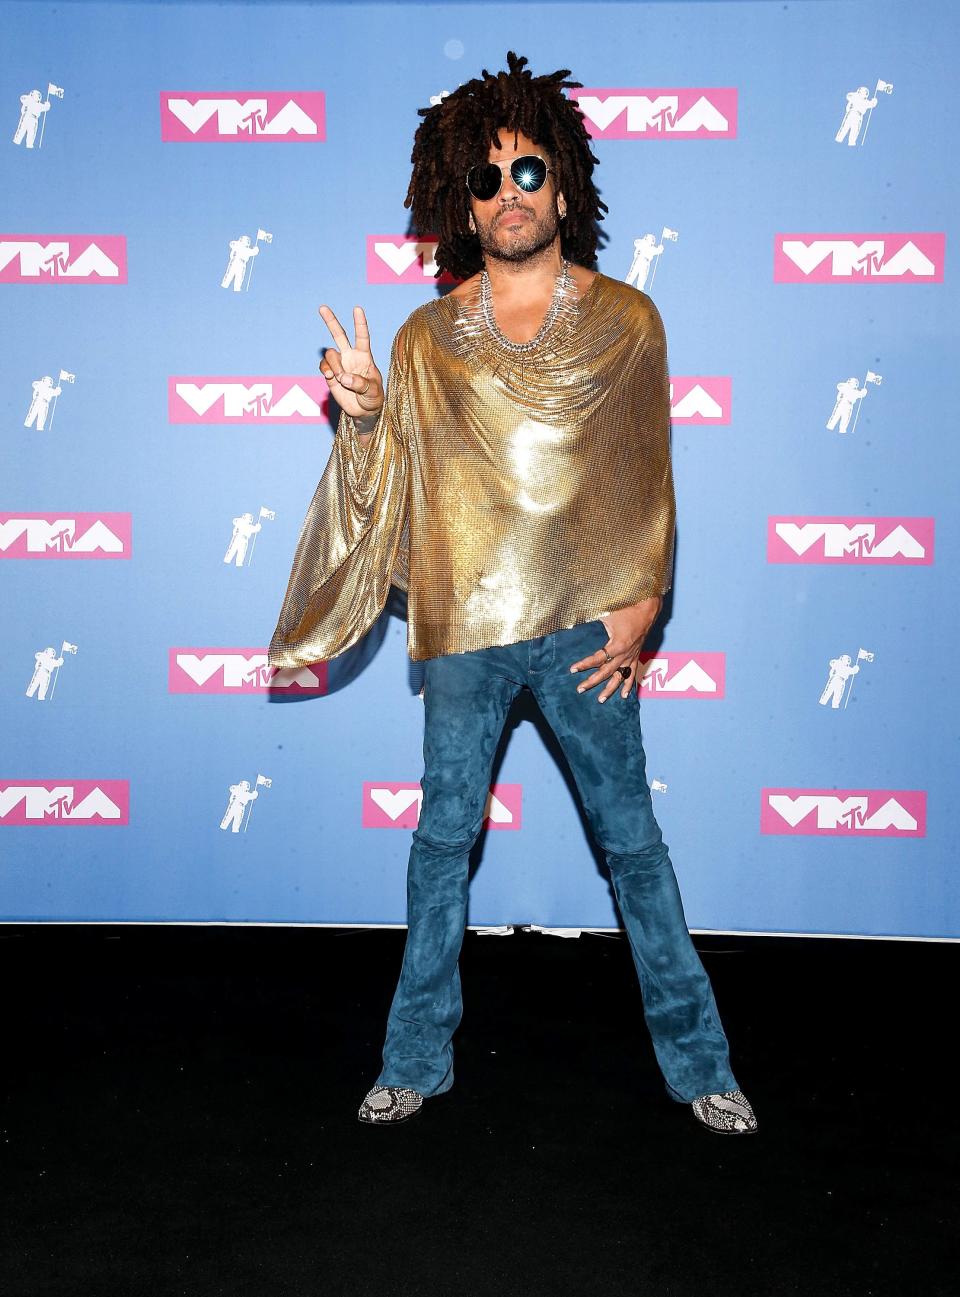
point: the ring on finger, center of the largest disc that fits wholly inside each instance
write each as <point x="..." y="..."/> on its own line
<point x="625" y="671"/>
<point x="608" y="657"/>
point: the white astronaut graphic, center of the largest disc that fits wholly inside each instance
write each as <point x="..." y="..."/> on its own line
<point x="241" y="251"/>
<point x="241" y="795"/>
<point x="644" y="251"/>
<point x="46" y="663"/>
<point x="847" y="405"/>
<point x="43" y="393"/>
<point x="858" y="103"/>
<point x="32" y="108"/>
<point x="849" y="393"/>
<point x="842" y="671"/>
<point x="243" y="528"/>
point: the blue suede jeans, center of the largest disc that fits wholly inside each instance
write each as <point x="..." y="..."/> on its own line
<point x="466" y="700"/>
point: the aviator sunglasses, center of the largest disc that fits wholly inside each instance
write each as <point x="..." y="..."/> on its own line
<point x="528" y="173"/>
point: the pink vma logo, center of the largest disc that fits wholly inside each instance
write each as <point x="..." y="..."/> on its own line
<point x="245" y="399"/>
<point x="88" y="803"/>
<point x="680" y="113"/>
<point x="832" y="812"/>
<point x="73" y="535"/>
<point x="63" y="259"/>
<point x="850" y="540"/>
<point x="242" y="116"/>
<point x="858" y="258"/>
<point x="238" y="671"/>
<point x="683" y="675"/>
<point x="701" y="399"/>
<point x="397" y="806"/>
<point x="403" y="259"/>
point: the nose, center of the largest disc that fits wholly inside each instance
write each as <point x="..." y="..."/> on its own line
<point x="510" y="192"/>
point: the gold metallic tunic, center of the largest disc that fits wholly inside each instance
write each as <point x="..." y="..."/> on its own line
<point x="510" y="494"/>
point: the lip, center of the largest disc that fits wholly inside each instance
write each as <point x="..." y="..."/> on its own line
<point x="515" y="218"/>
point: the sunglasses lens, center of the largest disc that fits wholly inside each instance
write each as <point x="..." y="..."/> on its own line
<point x="528" y="173"/>
<point x="484" y="181"/>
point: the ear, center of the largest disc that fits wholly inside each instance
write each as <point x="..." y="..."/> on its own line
<point x="561" y="205"/>
<point x="471" y="223"/>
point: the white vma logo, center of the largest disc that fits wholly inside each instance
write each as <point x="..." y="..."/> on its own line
<point x="242" y="401"/>
<point x="840" y="539"/>
<point x="843" y="812"/>
<point x="59" y="534"/>
<point x="660" y="113"/>
<point x="848" y="257"/>
<point x="39" y="803"/>
<point x="243" y="116"/>
<point x="53" y="259"/>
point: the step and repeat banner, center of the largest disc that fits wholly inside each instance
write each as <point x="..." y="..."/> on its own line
<point x="183" y="185"/>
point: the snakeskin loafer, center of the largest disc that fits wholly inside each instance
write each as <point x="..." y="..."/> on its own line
<point x="727" y="1114"/>
<point x="389" y="1105"/>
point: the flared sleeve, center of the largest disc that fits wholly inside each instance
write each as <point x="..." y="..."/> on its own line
<point x="353" y="543"/>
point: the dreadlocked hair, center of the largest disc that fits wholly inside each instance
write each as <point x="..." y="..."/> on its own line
<point x="456" y="134"/>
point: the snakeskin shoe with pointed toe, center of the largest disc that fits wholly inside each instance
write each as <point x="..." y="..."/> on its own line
<point x="388" y="1105"/>
<point x="727" y="1114"/>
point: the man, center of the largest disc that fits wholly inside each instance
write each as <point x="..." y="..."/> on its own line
<point x="43" y="393"/>
<point x="241" y="250"/>
<point x="32" y="107"/>
<point x="515" y="479"/>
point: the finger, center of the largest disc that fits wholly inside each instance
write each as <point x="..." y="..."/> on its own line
<point x="598" y="677"/>
<point x="331" y="366"/>
<point x="599" y="658"/>
<point x="335" y="327"/>
<point x="616" y="681"/>
<point x="361" y="329"/>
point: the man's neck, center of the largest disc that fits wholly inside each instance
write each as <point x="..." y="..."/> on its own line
<point x="531" y="278"/>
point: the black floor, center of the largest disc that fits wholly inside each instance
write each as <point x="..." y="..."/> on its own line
<point x="179" y="1118"/>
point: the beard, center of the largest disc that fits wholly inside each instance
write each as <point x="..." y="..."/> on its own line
<point x="528" y="240"/>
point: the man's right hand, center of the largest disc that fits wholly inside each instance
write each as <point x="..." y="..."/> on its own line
<point x="354" y="379"/>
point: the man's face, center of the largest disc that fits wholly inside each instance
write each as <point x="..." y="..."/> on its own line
<point x="514" y="225"/>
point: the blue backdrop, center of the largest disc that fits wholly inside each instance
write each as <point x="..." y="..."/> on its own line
<point x="768" y="330"/>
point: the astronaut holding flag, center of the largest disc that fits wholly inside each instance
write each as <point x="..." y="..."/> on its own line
<point x="849" y="396"/>
<point x="860" y="105"/>
<point x="47" y="665"/>
<point x="645" y="250"/>
<point x="242" y="797"/>
<point x="842" y="671"/>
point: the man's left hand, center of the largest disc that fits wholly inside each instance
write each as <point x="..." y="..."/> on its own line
<point x="627" y="628"/>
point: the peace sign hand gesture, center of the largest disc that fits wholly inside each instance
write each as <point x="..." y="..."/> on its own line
<point x="359" y="384"/>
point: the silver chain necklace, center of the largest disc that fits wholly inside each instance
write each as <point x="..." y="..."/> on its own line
<point x="563" y="289"/>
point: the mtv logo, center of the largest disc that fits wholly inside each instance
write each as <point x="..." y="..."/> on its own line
<point x="679" y="112"/>
<point x="75" y="535"/>
<point x="397" y="806"/>
<point x="242" y="116"/>
<point x="850" y="540"/>
<point x="683" y="675"/>
<point x="403" y="259"/>
<point x="270" y="399"/>
<point x="832" y="812"/>
<point x="86" y="803"/>
<point x="701" y="399"/>
<point x="886" y="258"/>
<point x="63" y="259"/>
<point x="238" y="671"/>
